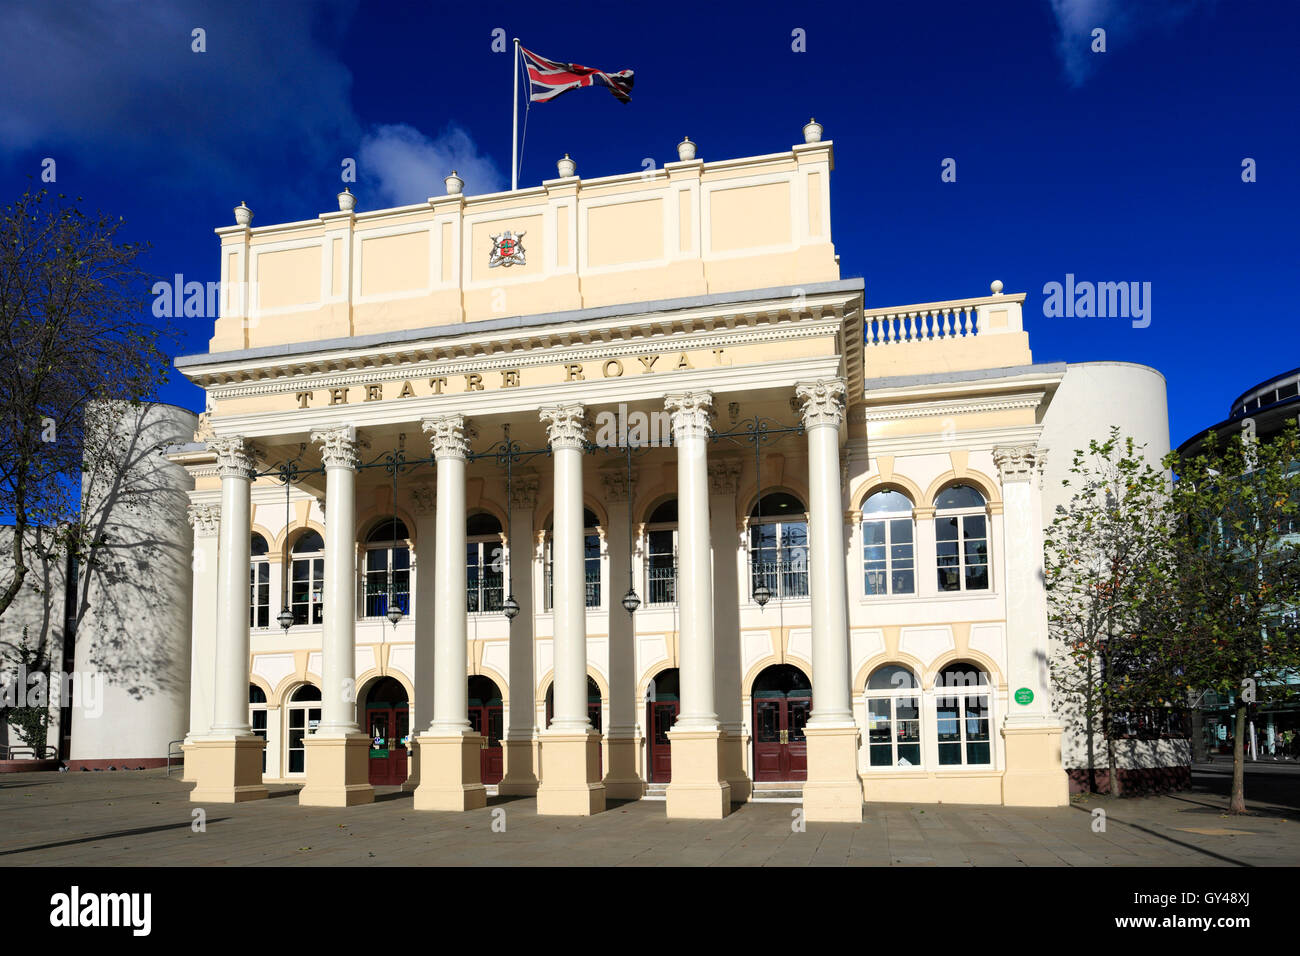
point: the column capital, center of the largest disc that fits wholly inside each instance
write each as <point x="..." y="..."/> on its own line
<point x="1020" y="462"/>
<point x="523" y="496"/>
<point x="449" y="435"/>
<point x="616" y="484"/>
<point x="823" y="402"/>
<point x="424" y="500"/>
<point x="724" y="476"/>
<point x="205" y="519"/>
<point x="566" y="425"/>
<point x="235" y="457"/>
<point x="338" y="445"/>
<point x="692" y="414"/>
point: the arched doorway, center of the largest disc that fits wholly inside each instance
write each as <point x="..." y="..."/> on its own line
<point x="593" y="713"/>
<point x="782" y="698"/>
<point x="388" y="721"/>
<point x="487" y="718"/>
<point x="303" y="715"/>
<point x="662" y="705"/>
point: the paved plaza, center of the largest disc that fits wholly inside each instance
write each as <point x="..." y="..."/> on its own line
<point x="145" y="818"/>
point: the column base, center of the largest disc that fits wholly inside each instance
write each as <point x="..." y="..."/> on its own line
<point x="225" y="769"/>
<point x="733" y="751"/>
<point x="412" y="780"/>
<point x="570" y="784"/>
<point x="338" y="771"/>
<point x="833" y="790"/>
<point x="520" y="778"/>
<point x="1034" y="776"/>
<point x="450" y="773"/>
<point x="699" y="789"/>
<point x="622" y="782"/>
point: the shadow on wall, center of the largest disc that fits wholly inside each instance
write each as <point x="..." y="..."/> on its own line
<point x="133" y="589"/>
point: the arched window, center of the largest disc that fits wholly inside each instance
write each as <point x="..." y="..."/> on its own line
<point x="304" y="718"/>
<point x="259" y="584"/>
<point x="485" y="561"/>
<point x="306" y="594"/>
<point x="888" y="544"/>
<point x="257" y="712"/>
<point x="962" y="718"/>
<point x="590" y="560"/>
<point x="778" y="546"/>
<point x="388" y="560"/>
<point x="893" y="717"/>
<point x="961" y="539"/>
<point x="661" y="554"/>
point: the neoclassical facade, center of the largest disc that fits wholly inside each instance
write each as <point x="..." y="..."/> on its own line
<point x="614" y="488"/>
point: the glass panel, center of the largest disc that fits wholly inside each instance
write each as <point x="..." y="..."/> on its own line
<point x="891" y="677"/>
<point x="769" y="722"/>
<point x="880" y="726"/>
<point x="911" y="753"/>
<point x="796" y="716"/>
<point x="884" y="502"/>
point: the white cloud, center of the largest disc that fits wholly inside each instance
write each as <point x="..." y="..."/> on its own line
<point x="1122" y="21"/>
<point x="398" y="165"/>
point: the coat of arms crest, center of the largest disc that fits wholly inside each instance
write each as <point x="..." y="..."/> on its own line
<point x="507" y="249"/>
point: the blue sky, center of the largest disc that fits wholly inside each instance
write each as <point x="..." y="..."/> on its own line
<point x="1116" y="166"/>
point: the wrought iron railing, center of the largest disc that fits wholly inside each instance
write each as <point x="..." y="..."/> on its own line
<point x="784" y="579"/>
<point x="661" y="585"/>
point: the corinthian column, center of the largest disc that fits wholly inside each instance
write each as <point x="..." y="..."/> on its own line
<point x="337" y="754"/>
<point x="226" y="763"/>
<point x="1031" y="733"/>
<point x="833" y="791"/>
<point x="450" y="772"/>
<point x="623" y="780"/>
<point x="570" y="781"/>
<point x="520" y="771"/>
<point x="699" y="788"/>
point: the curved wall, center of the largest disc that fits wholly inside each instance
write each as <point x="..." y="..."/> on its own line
<point x="133" y="637"/>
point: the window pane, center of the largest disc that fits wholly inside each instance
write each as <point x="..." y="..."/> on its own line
<point x="900" y="531"/>
<point x="945" y="529"/>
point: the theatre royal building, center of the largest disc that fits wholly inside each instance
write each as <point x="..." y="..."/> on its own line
<point x="617" y="488"/>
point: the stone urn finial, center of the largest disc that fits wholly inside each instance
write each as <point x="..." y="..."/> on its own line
<point x="996" y="286"/>
<point x="685" y="149"/>
<point x="454" y="184"/>
<point x="347" y="201"/>
<point x="812" y="132"/>
<point x="243" y="215"/>
<point x="566" y="166"/>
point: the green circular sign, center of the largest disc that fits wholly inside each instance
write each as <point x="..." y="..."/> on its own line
<point x="1024" y="696"/>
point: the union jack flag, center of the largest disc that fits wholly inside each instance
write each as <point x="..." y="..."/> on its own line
<point x="547" y="79"/>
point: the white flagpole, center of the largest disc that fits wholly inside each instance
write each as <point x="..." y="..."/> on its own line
<point x="514" y="135"/>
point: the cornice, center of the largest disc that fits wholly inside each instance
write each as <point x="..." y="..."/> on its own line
<point x="944" y="408"/>
<point x="728" y="324"/>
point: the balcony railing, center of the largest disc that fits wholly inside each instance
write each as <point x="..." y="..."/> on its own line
<point x="921" y="323"/>
<point x="661" y="585"/>
<point x="784" y="579"/>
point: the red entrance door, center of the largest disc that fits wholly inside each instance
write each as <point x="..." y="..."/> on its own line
<point x="661" y="716"/>
<point x="780" y="749"/>
<point x="487" y="721"/>
<point x="389" y="729"/>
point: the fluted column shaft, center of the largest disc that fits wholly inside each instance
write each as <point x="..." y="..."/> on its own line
<point x="235" y="464"/>
<point x="339" y="631"/>
<point x="823" y="412"/>
<point x="449" y="436"/>
<point x="691" y="421"/>
<point x="566" y="432"/>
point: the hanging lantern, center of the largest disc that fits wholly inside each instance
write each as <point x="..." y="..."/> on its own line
<point x="286" y="618"/>
<point x="630" y="601"/>
<point x="394" y="613"/>
<point x="510" y="607"/>
<point x="762" y="594"/>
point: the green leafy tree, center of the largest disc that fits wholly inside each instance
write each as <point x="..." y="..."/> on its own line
<point x="1228" y="601"/>
<point x="1100" y="552"/>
